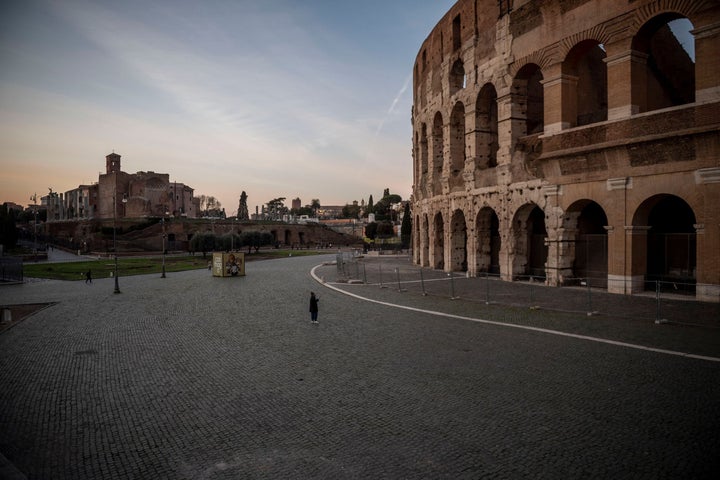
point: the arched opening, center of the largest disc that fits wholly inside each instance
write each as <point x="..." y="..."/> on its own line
<point x="437" y="151"/>
<point x="530" y="250"/>
<point x="457" y="77"/>
<point x="488" y="241"/>
<point x="425" y="254"/>
<point x="586" y="64"/>
<point x="671" y="241"/>
<point x="439" y="243"/>
<point x="423" y="150"/>
<point x="588" y="219"/>
<point x="528" y="101"/>
<point x="486" y="127"/>
<point x="288" y="237"/>
<point x="670" y="73"/>
<point x="458" y="242"/>
<point x="457" y="147"/>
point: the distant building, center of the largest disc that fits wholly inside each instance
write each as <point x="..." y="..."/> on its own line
<point x="124" y="195"/>
<point x="296" y="204"/>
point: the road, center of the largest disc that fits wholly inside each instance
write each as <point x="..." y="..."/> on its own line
<point x="195" y="377"/>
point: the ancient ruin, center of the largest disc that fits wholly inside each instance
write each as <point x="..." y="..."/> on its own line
<point x="571" y="140"/>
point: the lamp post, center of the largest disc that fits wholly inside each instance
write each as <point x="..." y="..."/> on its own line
<point x="232" y="235"/>
<point x="163" y="245"/>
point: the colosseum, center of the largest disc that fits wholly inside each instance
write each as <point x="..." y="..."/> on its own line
<point x="571" y="140"/>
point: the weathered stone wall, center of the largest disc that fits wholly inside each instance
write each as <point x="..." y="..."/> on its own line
<point x="588" y="110"/>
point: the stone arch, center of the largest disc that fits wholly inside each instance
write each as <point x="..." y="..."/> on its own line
<point x="669" y="74"/>
<point x="670" y="246"/>
<point x="457" y="77"/>
<point x="457" y="147"/>
<point x="585" y="73"/>
<point x="528" y="101"/>
<point x="437" y="153"/>
<point x="288" y="237"/>
<point x="458" y="242"/>
<point x="528" y="236"/>
<point x="423" y="150"/>
<point x="487" y="230"/>
<point x="486" y="127"/>
<point x="438" y="244"/>
<point x="425" y="243"/>
<point x="587" y="242"/>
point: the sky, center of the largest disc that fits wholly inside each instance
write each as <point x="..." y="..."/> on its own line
<point x="277" y="98"/>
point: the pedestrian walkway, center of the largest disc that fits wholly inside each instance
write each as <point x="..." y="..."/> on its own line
<point x="200" y="377"/>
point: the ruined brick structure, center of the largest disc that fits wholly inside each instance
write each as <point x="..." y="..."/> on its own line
<point x="571" y="139"/>
<point x="135" y="195"/>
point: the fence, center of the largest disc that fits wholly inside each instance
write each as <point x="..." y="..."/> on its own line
<point x="661" y="301"/>
<point x="11" y="269"/>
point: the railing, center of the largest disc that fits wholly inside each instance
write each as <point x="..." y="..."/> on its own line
<point x="659" y="301"/>
<point x="11" y="269"/>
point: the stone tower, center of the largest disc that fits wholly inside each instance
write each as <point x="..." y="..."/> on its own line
<point x="112" y="163"/>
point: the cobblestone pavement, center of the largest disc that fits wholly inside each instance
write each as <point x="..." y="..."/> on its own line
<point x="195" y="377"/>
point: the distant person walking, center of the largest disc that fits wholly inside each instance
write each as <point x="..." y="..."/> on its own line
<point x="88" y="276"/>
<point x="313" y="307"/>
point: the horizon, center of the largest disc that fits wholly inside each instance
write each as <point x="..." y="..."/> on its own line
<point x="277" y="99"/>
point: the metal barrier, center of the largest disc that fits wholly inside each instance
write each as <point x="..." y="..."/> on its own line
<point x="658" y="301"/>
<point x="11" y="269"/>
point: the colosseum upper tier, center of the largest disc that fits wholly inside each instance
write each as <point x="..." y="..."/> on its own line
<point x="571" y="140"/>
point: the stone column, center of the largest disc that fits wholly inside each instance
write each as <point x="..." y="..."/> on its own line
<point x="636" y="258"/>
<point x="560" y="98"/>
<point x="707" y="63"/>
<point x="708" y="236"/>
<point x="627" y="83"/>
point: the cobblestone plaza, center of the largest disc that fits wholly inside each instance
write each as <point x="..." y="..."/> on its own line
<point x="197" y="377"/>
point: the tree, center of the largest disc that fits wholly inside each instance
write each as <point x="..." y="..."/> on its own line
<point x="351" y="211"/>
<point x="406" y="227"/>
<point x="8" y="229"/>
<point x="371" y="230"/>
<point x="210" y="206"/>
<point x="276" y="208"/>
<point x="370" y="205"/>
<point x="385" y="230"/>
<point x="255" y="239"/>
<point x="315" y="205"/>
<point x="242" y="213"/>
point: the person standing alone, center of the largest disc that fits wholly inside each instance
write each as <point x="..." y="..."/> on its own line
<point x="313" y="307"/>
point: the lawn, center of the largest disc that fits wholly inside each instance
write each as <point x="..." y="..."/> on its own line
<point x="105" y="267"/>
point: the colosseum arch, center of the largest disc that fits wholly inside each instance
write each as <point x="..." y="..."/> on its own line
<point x="528" y="101"/>
<point x="486" y="127"/>
<point x="627" y="150"/>
<point x="438" y="251"/>
<point x="437" y="154"/>
<point x="457" y="78"/>
<point x="670" y="241"/>
<point x="423" y="156"/>
<point x="586" y="74"/>
<point x="458" y="242"/>
<point x="487" y="230"/>
<point x="457" y="147"/>
<point x="584" y="223"/>
<point x="667" y="77"/>
<point x="528" y="242"/>
<point x="425" y="243"/>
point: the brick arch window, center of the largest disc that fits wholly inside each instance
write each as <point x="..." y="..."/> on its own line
<point x="486" y="127"/>
<point x="585" y="71"/>
<point x="458" y="79"/>
<point x="669" y="74"/>
<point x="528" y="99"/>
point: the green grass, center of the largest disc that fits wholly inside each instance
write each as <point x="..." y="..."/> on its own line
<point x="140" y="266"/>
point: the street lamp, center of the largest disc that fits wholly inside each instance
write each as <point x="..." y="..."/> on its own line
<point x="163" y="245"/>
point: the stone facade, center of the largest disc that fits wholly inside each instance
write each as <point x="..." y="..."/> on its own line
<point x="571" y="140"/>
<point x="138" y="195"/>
